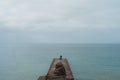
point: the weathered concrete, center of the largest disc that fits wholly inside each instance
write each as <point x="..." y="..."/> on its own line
<point x="42" y="78"/>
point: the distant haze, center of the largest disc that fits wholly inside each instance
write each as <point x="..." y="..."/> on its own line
<point x="60" y="21"/>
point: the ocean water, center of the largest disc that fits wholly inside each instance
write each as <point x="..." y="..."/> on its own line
<point x="87" y="61"/>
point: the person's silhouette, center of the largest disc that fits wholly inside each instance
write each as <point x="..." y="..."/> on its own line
<point x="60" y="57"/>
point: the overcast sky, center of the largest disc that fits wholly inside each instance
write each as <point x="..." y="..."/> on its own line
<point x="60" y="21"/>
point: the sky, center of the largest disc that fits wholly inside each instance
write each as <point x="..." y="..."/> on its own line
<point x="59" y="21"/>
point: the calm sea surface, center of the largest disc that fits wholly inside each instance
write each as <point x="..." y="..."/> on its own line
<point x="87" y="61"/>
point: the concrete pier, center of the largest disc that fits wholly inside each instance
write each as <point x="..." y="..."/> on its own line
<point x="51" y="75"/>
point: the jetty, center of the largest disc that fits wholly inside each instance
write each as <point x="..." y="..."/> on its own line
<point x="59" y="70"/>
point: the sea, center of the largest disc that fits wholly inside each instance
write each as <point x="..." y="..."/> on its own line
<point x="87" y="61"/>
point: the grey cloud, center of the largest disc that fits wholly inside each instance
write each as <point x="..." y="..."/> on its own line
<point x="61" y="14"/>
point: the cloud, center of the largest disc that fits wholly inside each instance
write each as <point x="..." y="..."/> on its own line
<point x="58" y="14"/>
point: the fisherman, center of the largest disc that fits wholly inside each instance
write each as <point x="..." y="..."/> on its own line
<point x="60" y="57"/>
